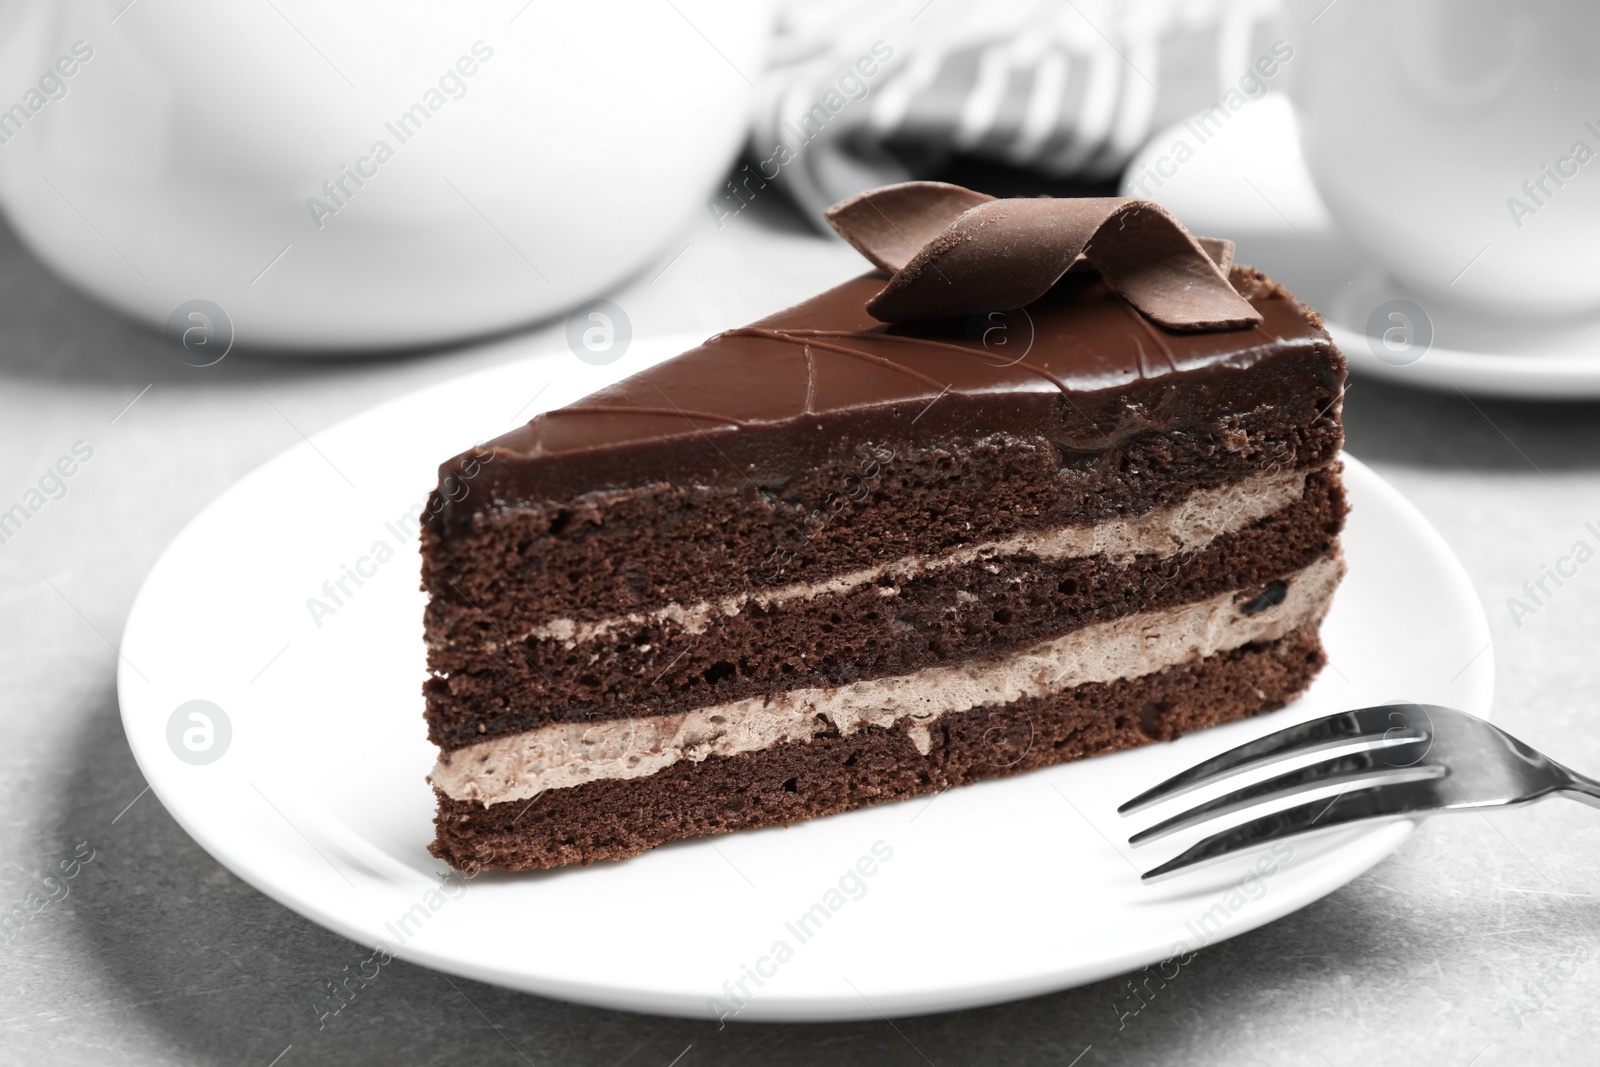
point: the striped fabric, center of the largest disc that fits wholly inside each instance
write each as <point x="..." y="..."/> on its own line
<point x="864" y="92"/>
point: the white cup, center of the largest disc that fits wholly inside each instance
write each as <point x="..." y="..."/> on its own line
<point x="1457" y="142"/>
<point x="364" y="174"/>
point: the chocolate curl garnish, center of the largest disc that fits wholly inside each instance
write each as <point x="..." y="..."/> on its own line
<point x="952" y="252"/>
<point x="890" y="225"/>
<point x="1220" y="249"/>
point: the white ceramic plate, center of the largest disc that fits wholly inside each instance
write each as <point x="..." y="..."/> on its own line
<point x="989" y="893"/>
<point x="1248" y="182"/>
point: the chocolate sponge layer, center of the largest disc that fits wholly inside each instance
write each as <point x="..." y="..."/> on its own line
<point x="981" y="610"/>
<point x="612" y="819"/>
<point x="618" y="551"/>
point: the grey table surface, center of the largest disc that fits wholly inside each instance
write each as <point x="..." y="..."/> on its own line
<point x="1474" y="944"/>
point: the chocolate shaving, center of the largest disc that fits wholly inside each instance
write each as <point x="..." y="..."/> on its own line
<point x="951" y="252"/>
<point x="1220" y="250"/>
<point x="891" y="225"/>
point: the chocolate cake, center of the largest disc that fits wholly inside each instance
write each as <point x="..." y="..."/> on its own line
<point x="868" y="549"/>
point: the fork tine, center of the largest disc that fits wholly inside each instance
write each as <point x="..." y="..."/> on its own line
<point x="1348" y="731"/>
<point x="1349" y="771"/>
<point x="1374" y="802"/>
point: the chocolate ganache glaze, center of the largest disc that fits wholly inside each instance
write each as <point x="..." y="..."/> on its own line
<point x="755" y="407"/>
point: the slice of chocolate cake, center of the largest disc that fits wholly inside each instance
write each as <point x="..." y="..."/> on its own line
<point x="1059" y="480"/>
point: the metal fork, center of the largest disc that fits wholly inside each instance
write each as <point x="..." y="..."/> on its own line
<point x="1384" y="762"/>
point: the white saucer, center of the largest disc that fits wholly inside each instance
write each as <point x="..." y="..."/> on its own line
<point x="1555" y="361"/>
<point x="989" y="893"/>
<point x="1248" y="182"/>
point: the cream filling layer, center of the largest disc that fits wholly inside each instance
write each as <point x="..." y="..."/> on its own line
<point x="1202" y="517"/>
<point x="568" y="754"/>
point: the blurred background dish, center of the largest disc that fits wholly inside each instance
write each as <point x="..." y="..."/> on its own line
<point x="1454" y="143"/>
<point x="367" y="175"/>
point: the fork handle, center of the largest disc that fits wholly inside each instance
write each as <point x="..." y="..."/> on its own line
<point x="1581" y="788"/>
